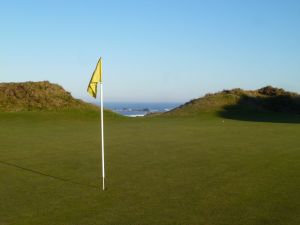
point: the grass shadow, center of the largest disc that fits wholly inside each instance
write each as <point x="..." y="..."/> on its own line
<point x="276" y="109"/>
<point x="47" y="175"/>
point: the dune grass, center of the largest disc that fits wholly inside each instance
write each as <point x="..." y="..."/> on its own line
<point x="160" y="170"/>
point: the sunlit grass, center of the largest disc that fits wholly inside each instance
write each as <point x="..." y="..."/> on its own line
<point x="160" y="170"/>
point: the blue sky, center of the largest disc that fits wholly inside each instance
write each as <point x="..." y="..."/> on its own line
<point x="153" y="51"/>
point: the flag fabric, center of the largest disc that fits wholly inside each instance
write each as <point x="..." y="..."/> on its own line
<point x="97" y="77"/>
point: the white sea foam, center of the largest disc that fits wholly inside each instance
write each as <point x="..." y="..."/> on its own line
<point x="136" y="115"/>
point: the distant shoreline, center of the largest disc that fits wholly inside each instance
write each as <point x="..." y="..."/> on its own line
<point x="139" y="109"/>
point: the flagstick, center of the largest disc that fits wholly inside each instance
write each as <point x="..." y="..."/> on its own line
<point x="102" y="136"/>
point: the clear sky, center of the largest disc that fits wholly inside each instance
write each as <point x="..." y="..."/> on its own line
<point x="153" y="51"/>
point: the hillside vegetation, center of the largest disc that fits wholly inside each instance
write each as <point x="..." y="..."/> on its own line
<point x="38" y="96"/>
<point x="267" y="99"/>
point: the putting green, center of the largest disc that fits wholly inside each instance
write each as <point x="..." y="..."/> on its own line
<point x="160" y="170"/>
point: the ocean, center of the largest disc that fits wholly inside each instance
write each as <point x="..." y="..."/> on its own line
<point x="135" y="109"/>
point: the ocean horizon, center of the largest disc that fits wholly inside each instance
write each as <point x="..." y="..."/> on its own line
<point x="135" y="109"/>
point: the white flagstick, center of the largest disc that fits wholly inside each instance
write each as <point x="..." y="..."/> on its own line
<point x="102" y="135"/>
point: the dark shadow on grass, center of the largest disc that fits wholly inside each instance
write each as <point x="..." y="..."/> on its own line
<point x="276" y="109"/>
<point x="48" y="175"/>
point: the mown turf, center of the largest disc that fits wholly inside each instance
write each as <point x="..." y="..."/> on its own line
<point x="160" y="170"/>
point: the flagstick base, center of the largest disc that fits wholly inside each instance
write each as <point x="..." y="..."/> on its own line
<point x="103" y="184"/>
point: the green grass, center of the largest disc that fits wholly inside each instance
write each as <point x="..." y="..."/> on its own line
<point x="160" y="170"/>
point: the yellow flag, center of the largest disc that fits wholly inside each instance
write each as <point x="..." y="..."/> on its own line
<point x="97" y="77"/>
